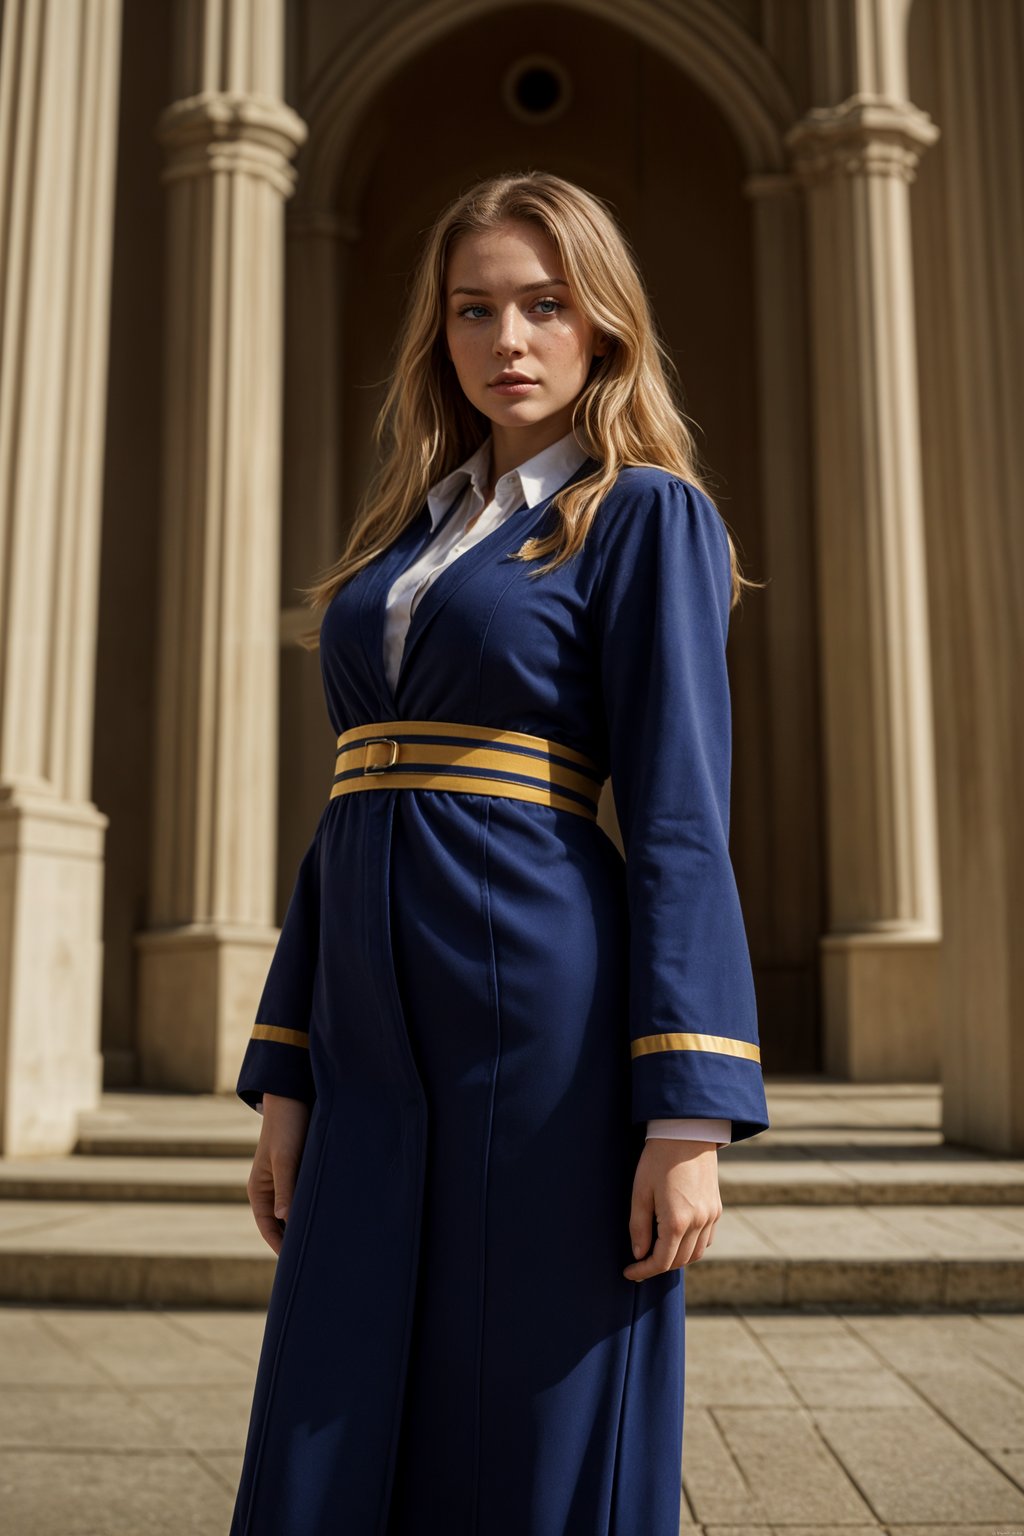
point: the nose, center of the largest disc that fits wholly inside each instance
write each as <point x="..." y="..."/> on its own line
<point x="509" y="337"/>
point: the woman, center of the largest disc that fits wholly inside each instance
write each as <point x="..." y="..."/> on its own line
<point x="494" y="1059"/>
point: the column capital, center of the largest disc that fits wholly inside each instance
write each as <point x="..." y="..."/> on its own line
<point x="231" y="131"/>
<point x="866" y="135"/>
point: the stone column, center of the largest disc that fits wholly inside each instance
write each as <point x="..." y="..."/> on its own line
<point x="857" y="160"/>
<point x="58" y="147"/>
<point x="229" y="139"/>
<point x="971" y="257"/>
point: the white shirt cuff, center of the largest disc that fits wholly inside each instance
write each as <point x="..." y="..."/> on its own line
<point x="690" y="1129"/>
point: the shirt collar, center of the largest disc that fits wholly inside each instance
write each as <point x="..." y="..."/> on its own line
<point x="531" y="481"/>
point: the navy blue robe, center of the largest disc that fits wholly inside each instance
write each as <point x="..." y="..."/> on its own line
<point x="484" y="1004"/>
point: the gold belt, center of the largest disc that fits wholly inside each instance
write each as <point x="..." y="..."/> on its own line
<point x="446" y="754"/>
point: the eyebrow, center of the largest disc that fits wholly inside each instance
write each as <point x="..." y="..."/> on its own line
<point x="544" y="282"/>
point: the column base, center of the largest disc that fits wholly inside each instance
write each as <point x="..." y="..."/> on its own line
<point x="199" y="986"/>
<point x="880" y="998"/>
<point x="51" y="956"/>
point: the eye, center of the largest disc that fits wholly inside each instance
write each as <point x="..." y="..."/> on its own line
<point x="556" y="302"/>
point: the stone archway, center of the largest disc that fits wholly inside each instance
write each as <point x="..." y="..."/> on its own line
<point x="723" y="229"/>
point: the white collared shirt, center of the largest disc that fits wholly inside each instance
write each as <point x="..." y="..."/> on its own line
<point x="472" y="520"/>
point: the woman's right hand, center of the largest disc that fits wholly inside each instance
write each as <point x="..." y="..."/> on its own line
<point x="276" y="1164"/>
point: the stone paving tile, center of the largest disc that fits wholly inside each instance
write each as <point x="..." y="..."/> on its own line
<point x="31" y="1356"/>
<point x="838" y="1350"/>
<point x="147" y="1348"/>
<point x="1012" y="1463"/>
<point x="239" y="1332"/>
<point x="726" y="1363"/>
<point x="985" y="1407"/>
<point x="850" y="1389"/>
<point x="225" y="1466"/>
<point x="76" y="1418"/>
<point x="813" y="1317"/>
<point x="201" y="1418"/>
<point x="713" y="1482"/>
<point x="945" y="1341"/>
<point x="911" y="1465"/>
<point x="793" y="1475"/>
<point x="955" y="1530"/>
<point x="789" y="1428"/>
<point x="75" y="1493"/>
<point x="726" y="1530"/>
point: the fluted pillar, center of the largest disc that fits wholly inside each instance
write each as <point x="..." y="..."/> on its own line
<point x="972" y="369"/>
<point x="58" y="136"/>
<point x="857" y="161"/>
<point x="228" y="141"/>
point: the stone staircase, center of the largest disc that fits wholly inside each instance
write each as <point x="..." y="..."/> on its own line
<point x="850" y="1199"/>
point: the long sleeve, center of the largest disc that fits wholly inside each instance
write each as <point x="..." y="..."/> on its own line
<point x="662" y="612"/>
<point x="276" y="1059"/>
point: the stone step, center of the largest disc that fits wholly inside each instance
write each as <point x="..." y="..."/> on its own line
<point x="152" y="1123"/>
<point x="768" y="1175"/>
<point x="218" y="1180"/>
<point x="900" y="1256"/>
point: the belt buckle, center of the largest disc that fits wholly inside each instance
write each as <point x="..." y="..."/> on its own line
<point x="375" y="741"/>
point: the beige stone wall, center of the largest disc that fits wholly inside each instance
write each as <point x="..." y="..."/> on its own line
<point x="817" y="202"/>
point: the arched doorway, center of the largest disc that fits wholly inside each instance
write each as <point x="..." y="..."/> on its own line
<point x="575" y="92"/>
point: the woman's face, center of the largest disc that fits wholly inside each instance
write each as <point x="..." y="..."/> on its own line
<point x="509" y="308"/>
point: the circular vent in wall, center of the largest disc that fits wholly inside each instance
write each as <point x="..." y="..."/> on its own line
<point x="536" y="88"/>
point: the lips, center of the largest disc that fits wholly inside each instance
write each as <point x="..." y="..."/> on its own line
<point x="515" y="387"/>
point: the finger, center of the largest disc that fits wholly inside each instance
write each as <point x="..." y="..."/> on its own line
<point x="261" y="1201"/>
<point x="270" y="1229"/>
<point x="284" y="1186"/>
<point x="692" y="1250"/>
<point x="670" y="1235"/>
<point x="641" y="1216"/>
<point x="260" y="1190"/>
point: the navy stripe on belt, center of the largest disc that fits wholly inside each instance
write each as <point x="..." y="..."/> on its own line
<point x="476" y="759"/>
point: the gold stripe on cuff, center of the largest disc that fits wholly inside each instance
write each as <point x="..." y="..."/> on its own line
<point x="688" y="1041"/>
<point x="283" y="1036"/>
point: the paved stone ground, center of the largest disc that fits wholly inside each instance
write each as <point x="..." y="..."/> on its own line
<point x="131" y="1421"/>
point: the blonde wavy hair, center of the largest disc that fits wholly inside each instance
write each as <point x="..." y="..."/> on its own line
<point x="626" y="413"/>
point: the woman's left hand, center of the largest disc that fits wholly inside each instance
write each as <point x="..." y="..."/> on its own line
<point x="675" y="1188"/>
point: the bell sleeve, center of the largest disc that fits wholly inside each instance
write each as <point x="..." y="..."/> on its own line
<point x="276" y="1058"/>
<point x="662" y="600"/>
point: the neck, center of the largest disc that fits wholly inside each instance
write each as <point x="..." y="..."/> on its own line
<point x="512" y="446"/>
